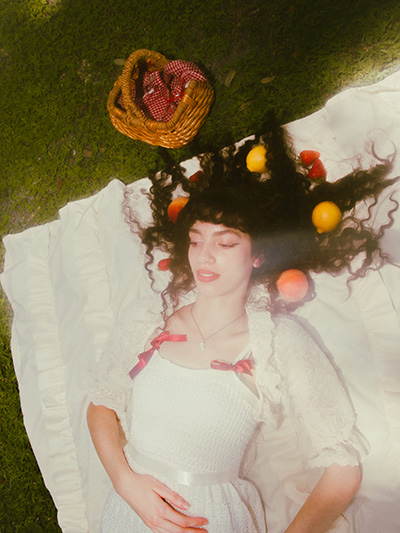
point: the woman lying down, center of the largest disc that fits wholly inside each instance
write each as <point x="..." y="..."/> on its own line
<point x="224" y="365"/>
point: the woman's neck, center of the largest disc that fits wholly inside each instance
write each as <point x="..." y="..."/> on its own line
<point x="212" y="313"/>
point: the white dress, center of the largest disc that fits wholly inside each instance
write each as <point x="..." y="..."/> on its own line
<point x="179" y="420"/>
<point x="190" y="429"/>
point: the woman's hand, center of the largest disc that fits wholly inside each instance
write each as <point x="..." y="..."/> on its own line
<point x="149" y="498"/>
<point x="153" y="502"/>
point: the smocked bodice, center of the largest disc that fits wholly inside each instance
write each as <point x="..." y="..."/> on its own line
<point x="194" y="419"/>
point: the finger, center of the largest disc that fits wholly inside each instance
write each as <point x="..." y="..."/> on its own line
<point x="182" y="520"/>
<point x="170" y="496"/>
<point x="169" y="527"/>
<point x="174" y="522"/>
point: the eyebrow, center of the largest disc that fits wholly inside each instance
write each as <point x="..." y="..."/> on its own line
<point x="218" y="233"/>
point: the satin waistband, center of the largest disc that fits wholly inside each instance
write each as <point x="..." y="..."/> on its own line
<point x="182" y="477"/>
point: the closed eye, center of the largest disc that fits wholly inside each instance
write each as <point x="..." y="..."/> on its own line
<point x="221" y="245"/>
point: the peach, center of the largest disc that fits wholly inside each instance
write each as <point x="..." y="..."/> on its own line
<point x="292" y="285"/>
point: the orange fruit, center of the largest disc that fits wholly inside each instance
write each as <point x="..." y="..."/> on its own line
<point x="256" y="159"/>
<point x="176" y="206"/>
<point x="292" y="285"/>
<point x="196" y="177"/>
<point x="326" y="216"/>
<point x="163" y="264"/>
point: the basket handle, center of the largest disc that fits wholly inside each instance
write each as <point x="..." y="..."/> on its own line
<point x="188" y="100"/>
<point x="158" y="127"/>
<point x="131" y="71"/>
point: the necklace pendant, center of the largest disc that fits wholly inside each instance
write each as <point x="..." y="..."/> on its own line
<point x="202" y="346"/>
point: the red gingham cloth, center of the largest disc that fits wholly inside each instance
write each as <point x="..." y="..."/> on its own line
<point x="160" y="92"/>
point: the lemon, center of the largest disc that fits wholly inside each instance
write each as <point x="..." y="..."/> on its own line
<point x="256" y="159"/>
<point x="326" y="216"/>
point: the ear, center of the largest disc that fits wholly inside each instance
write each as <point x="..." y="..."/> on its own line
<point x="258" y="261"/>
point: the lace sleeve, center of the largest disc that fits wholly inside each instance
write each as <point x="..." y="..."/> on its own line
<point x="315" y="398"/>
<point x="111" y="384"/>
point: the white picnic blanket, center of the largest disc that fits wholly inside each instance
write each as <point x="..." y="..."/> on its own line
<point x="69" y="280"/>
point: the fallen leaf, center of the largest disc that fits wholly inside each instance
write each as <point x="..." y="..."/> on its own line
<point x="245" y="105"/>
<point x="268" y="79"/>
<point x="120" y="62"/>
<point x="229" y="77"/>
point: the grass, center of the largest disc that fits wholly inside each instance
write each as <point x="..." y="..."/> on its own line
<point x="58" y="62"/>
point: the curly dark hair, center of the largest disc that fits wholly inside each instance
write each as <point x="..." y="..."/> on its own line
<point x="275" y="212"/>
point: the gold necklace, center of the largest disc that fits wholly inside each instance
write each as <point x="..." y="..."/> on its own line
<point x="202" y="345"/>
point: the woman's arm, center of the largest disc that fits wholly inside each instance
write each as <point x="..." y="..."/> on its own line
<point x="317" y="404"/>
<point x="148" y="497"/>
<point x="330" y="497"/>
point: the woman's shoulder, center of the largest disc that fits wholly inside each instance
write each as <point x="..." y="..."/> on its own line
<point x="176" y="323"/>
<point x="284" y="328"/>
<point x="179" y="320"/>
<point x="284" y="339"/>
<point x="304" y="363"/>
<point x="290" y="329"/>
<point x="136" y="323"/>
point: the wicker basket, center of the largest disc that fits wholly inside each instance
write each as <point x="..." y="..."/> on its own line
<point x="189" y="116"/>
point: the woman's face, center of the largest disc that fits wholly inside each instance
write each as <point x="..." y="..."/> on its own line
<point x="221" y="259"/>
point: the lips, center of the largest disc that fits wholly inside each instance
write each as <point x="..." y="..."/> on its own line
<point x="206" y="275"/>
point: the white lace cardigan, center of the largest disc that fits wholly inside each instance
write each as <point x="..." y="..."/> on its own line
<point x="308" y="418"/>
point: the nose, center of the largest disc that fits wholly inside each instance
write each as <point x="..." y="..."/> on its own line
<point x="206" y="254"/>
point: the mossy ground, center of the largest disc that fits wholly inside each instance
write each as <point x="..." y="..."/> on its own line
<point x="58" y="62"/>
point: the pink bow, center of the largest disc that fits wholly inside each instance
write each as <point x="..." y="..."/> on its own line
<point x="243" y="366"/>
<point x="145" y="357"/>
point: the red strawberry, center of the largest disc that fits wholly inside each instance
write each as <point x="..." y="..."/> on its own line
<point x="196" y="176"/>
<point x="163" y="265"/>
<point x="317" y="171"/>
<point x="308" y="156"/>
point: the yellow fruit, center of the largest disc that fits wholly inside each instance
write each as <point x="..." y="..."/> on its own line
<point x="326" y="216"/>
<point x="256" y="159"/>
